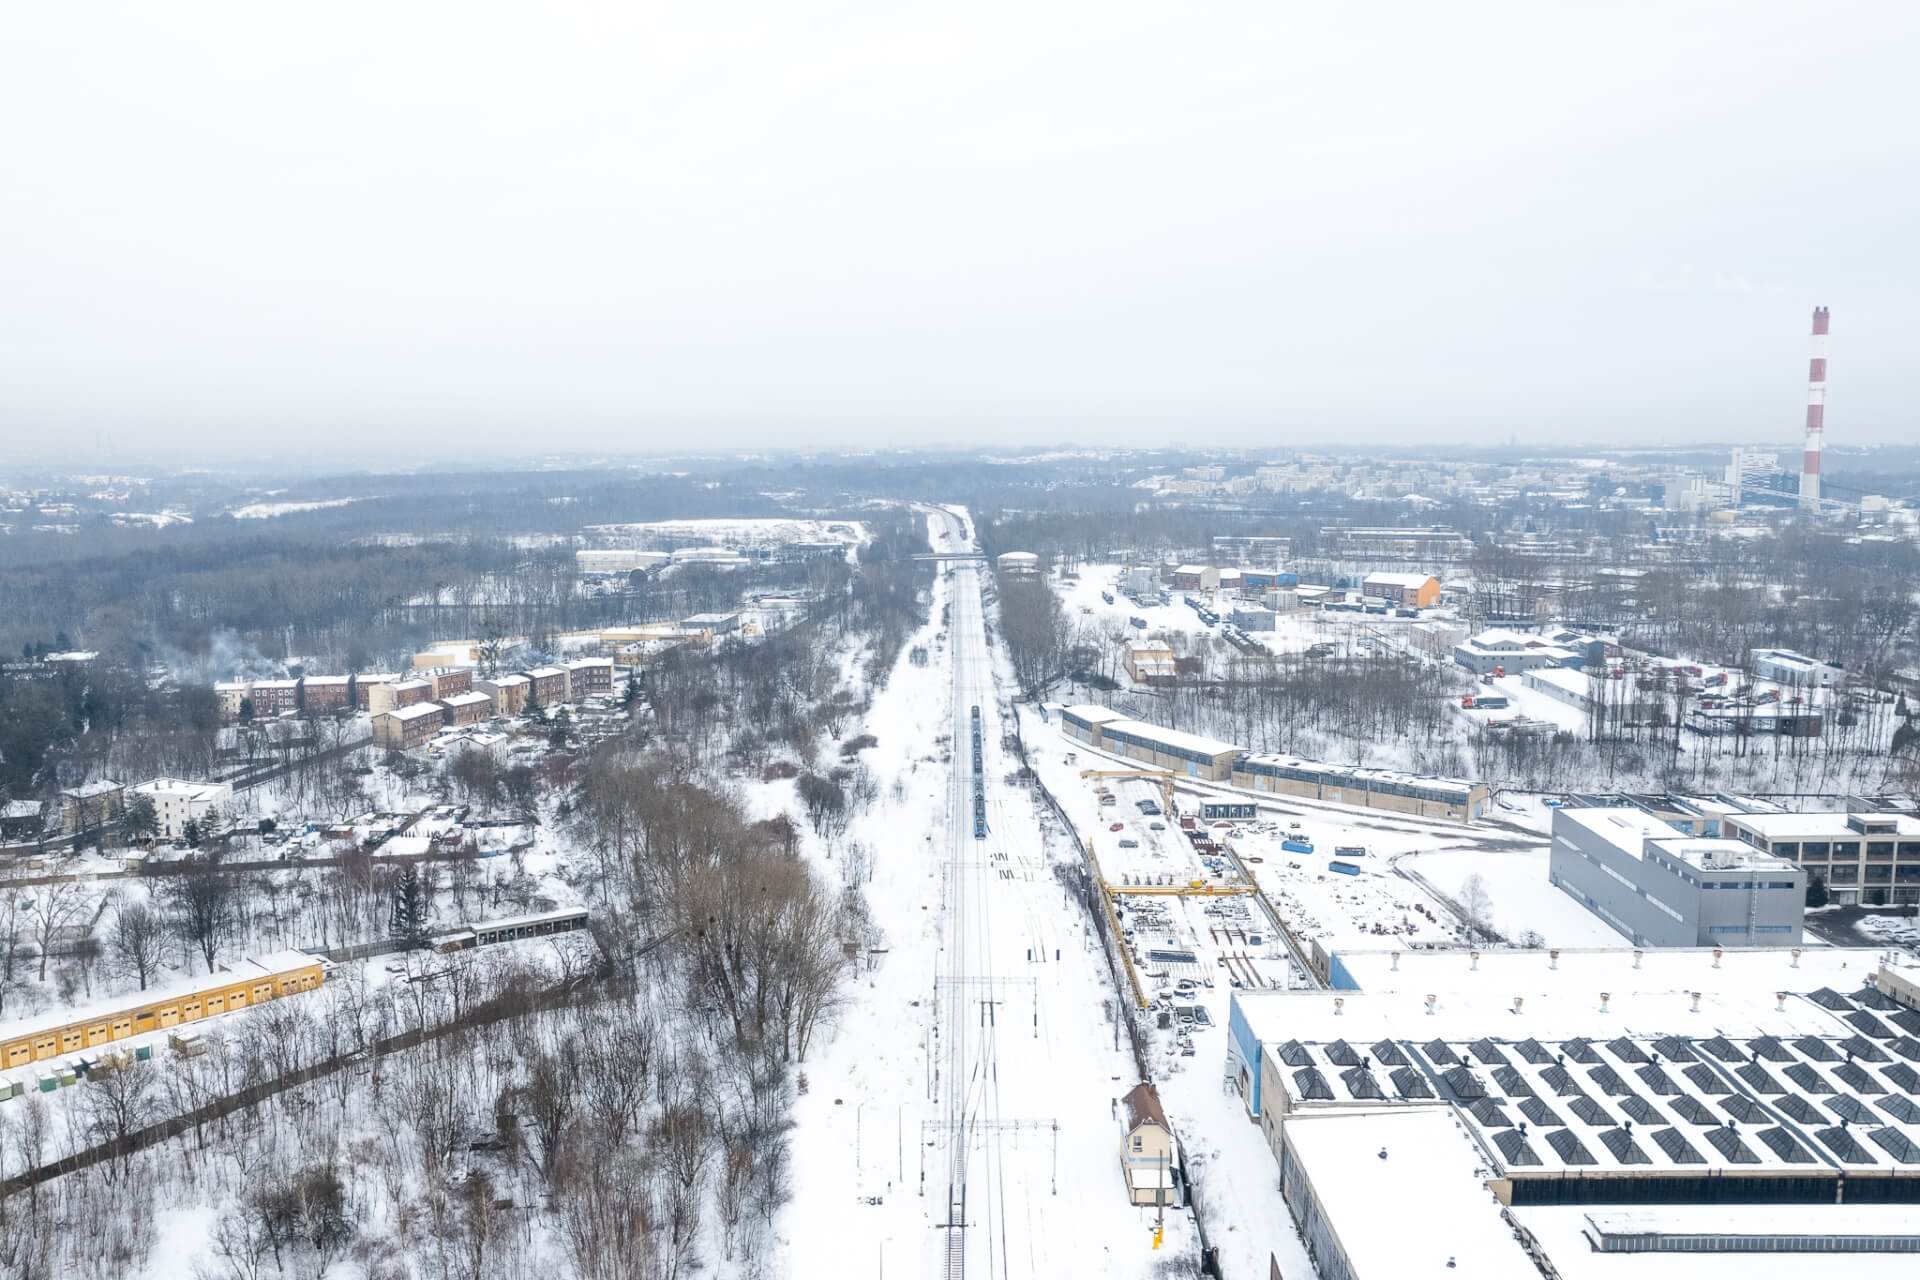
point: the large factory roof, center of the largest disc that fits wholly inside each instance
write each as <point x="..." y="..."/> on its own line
<point x="1416" y="1170"/>
<point x="1756" y="972"/>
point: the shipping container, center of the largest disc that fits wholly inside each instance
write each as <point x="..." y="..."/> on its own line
<point x="1297" y="846"/>
<point x="1344" y="868"/>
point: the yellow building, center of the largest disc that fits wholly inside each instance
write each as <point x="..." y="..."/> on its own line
<point x="250" y="982"/>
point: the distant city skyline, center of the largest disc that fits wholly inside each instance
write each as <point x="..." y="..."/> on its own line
<point x="597" y="229"/>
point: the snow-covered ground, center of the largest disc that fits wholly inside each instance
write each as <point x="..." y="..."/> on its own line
<point x="979" y="1047"/>
<point x="267" y="510"/>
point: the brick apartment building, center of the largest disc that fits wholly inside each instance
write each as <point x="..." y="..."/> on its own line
<point x="509" y="693"/>
<point x="324" y="695"/>
<point x="447" y="681"/>
<point x="549" y="685"/>
<point x="404" y="728"/>
<point x="365" y="683"/>
<point x="467" y="708"/>
<point x="589" y="677"/>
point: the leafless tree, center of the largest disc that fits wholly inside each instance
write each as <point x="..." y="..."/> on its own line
<point x="53" y="908"/>
<point x="138" y="939"/>
<point x="202" y="897"/>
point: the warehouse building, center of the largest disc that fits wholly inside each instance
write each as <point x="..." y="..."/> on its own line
<point x="1595" y="694"/>
<point x="1403" y="590"/>
<point x="712" y="624"/>
<point x="1187" y="753"/>
<point x="1453" y="798"/>
<point x="1512" y="652"/>
<point x="1085" y="723"/>
<point x="73" y="1030"/>
<point x="1862" y="858"/>
<point x="1151" y="663"/>
<point x="405" y="728"/>
<point x="1196" y="577"/>
<point x="176" y="803"/>
<point x="1785" y="666"/>
<point x="1664" y="889"/>
<point x="617" y="560"/>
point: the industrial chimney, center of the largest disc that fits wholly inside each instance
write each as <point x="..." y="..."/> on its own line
<point x="1816" y="412"/>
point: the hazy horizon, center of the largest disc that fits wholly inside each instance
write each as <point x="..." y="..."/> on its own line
<point x="586" y="228"/>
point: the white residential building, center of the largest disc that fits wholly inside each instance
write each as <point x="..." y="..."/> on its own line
<point x="177" y="802"/>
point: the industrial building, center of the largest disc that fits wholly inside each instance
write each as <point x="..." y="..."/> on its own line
<point x="72" y="1030"/>
<point x="1084" y="723"/>
<point x="1761" y="719"/>
<point x="1595" y="694"/>
<point x="617" y="560"/>
<point x="1018" y="564"/>
<point x="1188" y="753"/>
<point x="1661" y="888"/>
<point x="1871" y="858"/>
<point x="1403" y="590"/>
<point x="1797" y="670"/>
<point x="1512" y="652"/>
<point x="712" y="624"/>
<point x="176" y="803"/>
<point x="1254" y="549"/>
<point x="1432" y="544"/>
<point x="1149" y="663"/>
<point x="405" y="728"/>
<point x="1196" y="577"/>
<point x="1762" y="1100"/>
<point x="1453" y="798"/>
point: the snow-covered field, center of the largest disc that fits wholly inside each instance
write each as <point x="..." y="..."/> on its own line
<point x="267" y="510"/>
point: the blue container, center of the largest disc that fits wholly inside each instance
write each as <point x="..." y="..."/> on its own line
<point x="1344" y="868"/>
<point x="1296" y="846"/>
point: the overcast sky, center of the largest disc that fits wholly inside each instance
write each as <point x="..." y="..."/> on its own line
<point x="407" y="226"/>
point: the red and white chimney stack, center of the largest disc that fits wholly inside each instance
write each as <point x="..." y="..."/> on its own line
<point x="1816" y="412"/>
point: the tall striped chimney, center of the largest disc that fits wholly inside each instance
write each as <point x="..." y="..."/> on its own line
<point x="1816" y="412"/>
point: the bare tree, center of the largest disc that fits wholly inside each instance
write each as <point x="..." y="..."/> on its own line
<point x="1476" y="904"/>
<point x="138" y="939"/>
<point x="115" y="1104"/>
<point x="203" y="901"/>
<point x="53" y="908"/>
